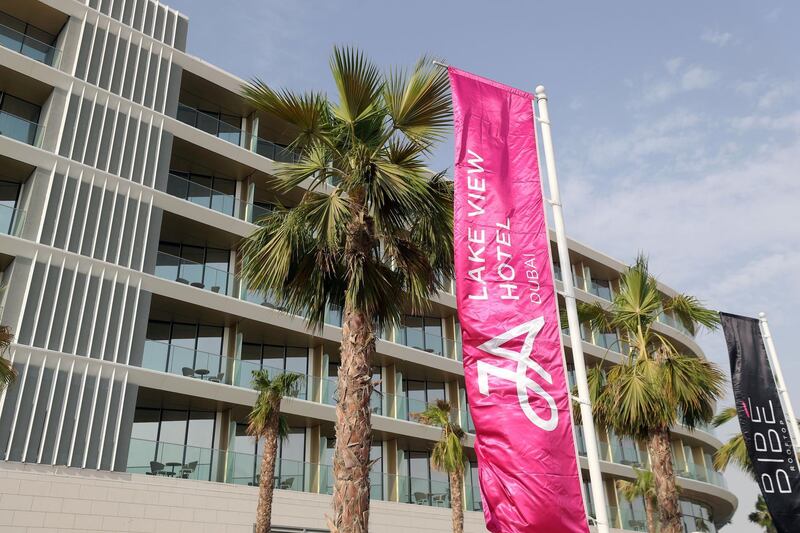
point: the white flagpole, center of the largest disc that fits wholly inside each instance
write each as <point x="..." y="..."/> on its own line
<point x="769" y="344"/>
<point x="592" y="455"/>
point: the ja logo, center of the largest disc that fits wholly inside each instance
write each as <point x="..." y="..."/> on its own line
<point x="520" y="375"/>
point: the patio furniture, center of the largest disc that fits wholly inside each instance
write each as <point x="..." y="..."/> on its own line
<point x="156" y="469"/>
<point x="202" y="372"/>
<point x="215" y="288"/>
<point x="188" y="372"/>
<point x="172" y="466"/>
<point x="181" y="280"/>
<point x="287" y="483"/>
<point x="421" y="498"/>
<point x="188" y="469"/>
<point x="198" y="285"/>
<point x="218" y="378"/>
<point x="439" y="500"/>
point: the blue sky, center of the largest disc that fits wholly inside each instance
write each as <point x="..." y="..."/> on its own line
<point x="676" y="124"/>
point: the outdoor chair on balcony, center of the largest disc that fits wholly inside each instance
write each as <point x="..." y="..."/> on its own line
<point x="215" y="288"/>
<point x="218" y="378"/>
<point x="420" y="498"/>
<point x="181" y="280"/>
<point x="188" y="372"/>
<point x="287" y="483"/>
<point x="439" y="500"/>
<point x="156" y="469"/>
<point x="188" y="469"/>
<point x="198" y="284"/>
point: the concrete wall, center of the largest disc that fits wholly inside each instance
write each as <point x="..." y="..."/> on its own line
<point x="39" y="498"/>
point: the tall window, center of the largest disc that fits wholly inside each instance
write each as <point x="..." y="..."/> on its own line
<point x="9" y="196"/>
<point x="473" y="488"/>
<point x="181" y="441"/>
<point x="198" y="266"/>
<point x="213" y="192"/>
<point x="18" y="118"/>
<point x="223" y="125"/>
<point x="425" y="485"/>
<point x="28" y="40"/>
<point x="244" y="464"/>
<point x="423" y="333"/>
<point x="275" y="358"/>
<point x="419" y="394"/>
<point x="193" y="350"/>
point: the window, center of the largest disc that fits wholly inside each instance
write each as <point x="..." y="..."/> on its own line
<point x="28" y="40"/>
<point x="213" y="192"/>
<point x="419" y="394"/>
<point x="9" y="196"/>
<point x="179" y="440"/>
<point x="274" y="358"/>
<point x="18" y="118"/>
<point x="473" y="488"/>
<point x="423" y="333"/>
<point x="198" y="266"/>
<point x="225" y="126"/>
<point x="426" y="485"/>
<point x="245" y="463"/>
<point x="193" y="350"/>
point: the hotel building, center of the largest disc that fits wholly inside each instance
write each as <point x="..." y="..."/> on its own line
<point x="129" y="171"/>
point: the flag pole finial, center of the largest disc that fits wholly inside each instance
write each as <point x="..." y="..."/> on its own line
<point x="540" y="92"/>
<point x="762" y="315"/>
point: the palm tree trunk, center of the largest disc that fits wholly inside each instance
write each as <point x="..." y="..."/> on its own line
<point x="650" y="512"/>
<point x="658" y="445"/>
<point x="351" y="461"/>
<point x="266" y="483"/>
<point x="457" y="500"/>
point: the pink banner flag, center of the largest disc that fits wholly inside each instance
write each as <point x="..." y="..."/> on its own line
<point x="513" y="358"/>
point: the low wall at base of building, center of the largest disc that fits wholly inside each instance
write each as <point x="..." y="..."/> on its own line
<point x="39" y="498"/>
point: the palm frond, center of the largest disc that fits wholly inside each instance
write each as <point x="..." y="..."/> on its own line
<point x="271" y="389"/>
<point x="734" y="451"/>
<point x="419" y="102"/>
<point x="724" y="416"/>
<point x="358" y="82"/>
<point x="691" y="313"/>
<point x="307" y="112"/>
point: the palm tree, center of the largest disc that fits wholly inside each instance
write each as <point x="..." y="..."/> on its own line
<point x="448" y="455"/>
<point x="761" y="516"/>
<point x="734" y="451"/>
<point x="7" y="372"/>
<point x="265" y="421"/>
<point x="373" y="234"/>
<point x="655" y="386"/>
<point x="641" y="487"/>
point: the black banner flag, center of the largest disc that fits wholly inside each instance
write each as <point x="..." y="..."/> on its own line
<point x="768" y="439"/>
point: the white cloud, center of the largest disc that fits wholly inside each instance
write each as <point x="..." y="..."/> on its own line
<point x="716" y="37"/>
<point x="777" y="92"/>
<point x="672" y="65"/>
<point x="681" y="78"/>
<point x="697" y="77"/>
<point x="789" y="121"/>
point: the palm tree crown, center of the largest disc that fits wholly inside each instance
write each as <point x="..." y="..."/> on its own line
<point x="656" y="385"/>
<point x="382" y="237"/>
<point x="270" y="392"/>
<point x="448" y="452"/>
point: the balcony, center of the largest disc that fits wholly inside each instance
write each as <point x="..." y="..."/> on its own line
<point x="200" y="275"/>
<point x="194" y="190"/>
<point x="20" y="128"/>
<point x="178" y="461"/>
<point x="229" y="128"/>
<point x="28" y="40"/>
<point x="11" y="219"/>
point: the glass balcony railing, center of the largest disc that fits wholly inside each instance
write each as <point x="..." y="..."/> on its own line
<point x="20" y="129"/>
<point x="228" y="131"/>
<point x="427" y="342"/>
<point x="601" y="288"/>
<point x="28" y="46"/>
<point x="11" y="220"/>
<point x="403" y="407"/>
<point x="178" y="461"/>
<point x="421" y="491"/>
<point x="213" y="199"/>
<point x="199" y="275"/>
<point x="628" y="454"/>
